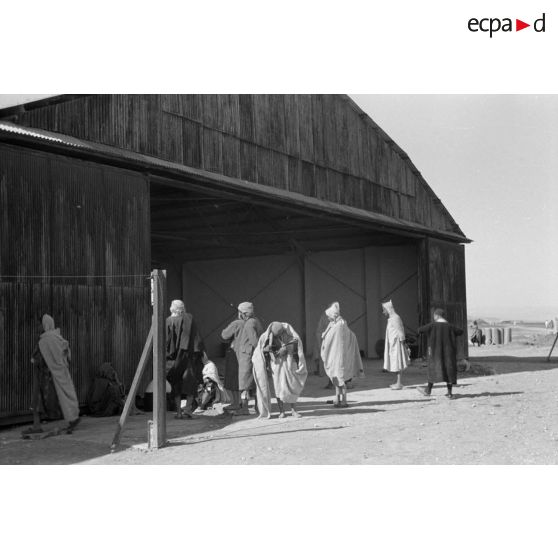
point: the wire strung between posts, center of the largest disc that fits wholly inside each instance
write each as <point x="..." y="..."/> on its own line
<point x="67" y="276"/>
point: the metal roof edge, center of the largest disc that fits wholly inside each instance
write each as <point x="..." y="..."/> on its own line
<point x="104" y="153"/>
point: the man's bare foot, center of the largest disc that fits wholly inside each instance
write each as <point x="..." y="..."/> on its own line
<point x="396" y="386"/>
<point x="281" y="415"/>
<point x="295" y="414"/>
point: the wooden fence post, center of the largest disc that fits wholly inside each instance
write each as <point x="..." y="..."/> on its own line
<point x="159" y="356"/>
<point x="147" y="349"/>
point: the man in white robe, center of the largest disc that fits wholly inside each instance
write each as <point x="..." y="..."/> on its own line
<point x="396" y="354"/>
<point x="280" y="353"/>
<point x="340" y="354"/>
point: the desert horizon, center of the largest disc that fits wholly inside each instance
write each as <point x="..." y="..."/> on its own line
<point x="511" y="313"/>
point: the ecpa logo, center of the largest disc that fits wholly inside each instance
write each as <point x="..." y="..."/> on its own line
<point x="493" y="25"/>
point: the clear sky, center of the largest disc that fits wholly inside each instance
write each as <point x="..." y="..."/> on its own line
<point x="493" y="160"/>
<point x="10" y="100"/>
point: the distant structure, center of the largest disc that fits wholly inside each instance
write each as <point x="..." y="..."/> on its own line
<point x="289" y="201"/>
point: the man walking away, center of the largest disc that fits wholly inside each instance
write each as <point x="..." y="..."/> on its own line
<point x="442" y="353"/>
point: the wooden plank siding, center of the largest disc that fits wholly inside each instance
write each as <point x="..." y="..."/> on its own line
<point x="445" y="275"/>
<point x="67" y="217"/>
<point x="317" y="145"/>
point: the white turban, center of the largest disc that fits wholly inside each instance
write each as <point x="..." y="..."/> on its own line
<point x="48" y="322"/>
<point x="177" y="307"/>
<point x="388" y="307"/>
<point x="333" y="312"/>
<point x="246" y="308"/>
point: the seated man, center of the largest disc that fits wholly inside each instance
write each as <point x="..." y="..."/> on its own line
<point x="211" y="391"/>
<point x="207" y="394"/>
<point x="105" y="396"/>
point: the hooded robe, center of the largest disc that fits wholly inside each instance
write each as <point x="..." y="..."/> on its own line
<point x="396" y="355"/>
<point x="55" y="351"/>
<point x="288" y="372"/>
<point x="210" y="372"/>
<point x="340" y="353"/>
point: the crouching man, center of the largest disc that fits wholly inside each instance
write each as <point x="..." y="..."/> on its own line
<point x="279" y="354"/>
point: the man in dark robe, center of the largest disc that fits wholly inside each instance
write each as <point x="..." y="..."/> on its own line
<point x="442" y="353"/>
<point x="105" y="396"/>
<point x="184" y="350"/>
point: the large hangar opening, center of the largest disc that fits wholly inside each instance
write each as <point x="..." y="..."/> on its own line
<point x="292" y="263"/>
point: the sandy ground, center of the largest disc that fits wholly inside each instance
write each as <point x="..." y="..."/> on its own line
<point x="507" y="417"/>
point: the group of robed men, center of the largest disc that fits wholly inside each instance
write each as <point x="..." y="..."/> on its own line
<point x="254" y="357"/>
<point x="259" y="362"/>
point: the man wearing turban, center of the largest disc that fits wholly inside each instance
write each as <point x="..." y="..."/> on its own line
<point x="396" y="354"/>
<point x="243" y="333"/>
<point x="340" y="353"/>
<point x="184" y="350"/>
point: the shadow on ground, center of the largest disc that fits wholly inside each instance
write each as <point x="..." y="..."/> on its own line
<point x="512" y="364"/>
<point x="175" y="443"/>
<point x="93" y="439"/>
<point x="51" y="451"/>
<point x="94" y="436"/>
<point x="486" y="394"/>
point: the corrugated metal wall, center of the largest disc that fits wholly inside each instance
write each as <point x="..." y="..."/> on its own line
<point x="66" y="217"/>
